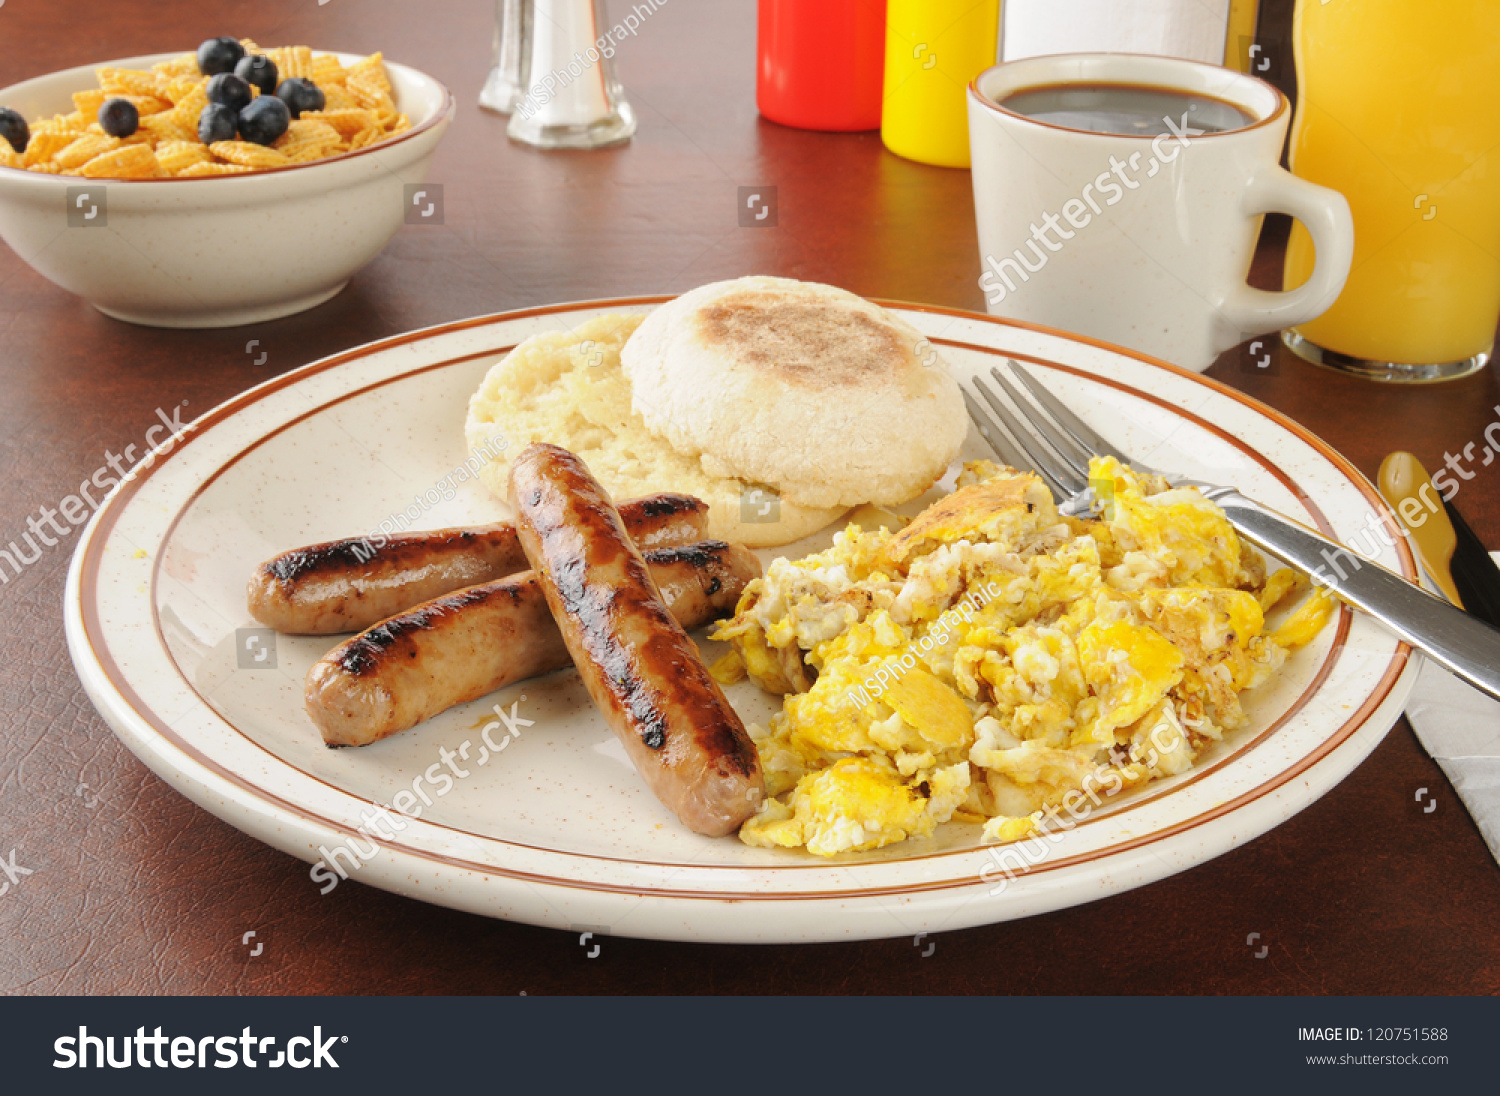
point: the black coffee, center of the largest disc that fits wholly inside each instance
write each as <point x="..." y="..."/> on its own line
<point x="1128" y="109"/>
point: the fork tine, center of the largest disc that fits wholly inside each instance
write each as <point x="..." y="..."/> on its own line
<point x="1062" y="479"/>
<point x="1002" y="442"/>
<point x="1071" y="423"/>
<point x="1030" y="430"/>
<point x="1073" y="455"/>
<point x="999" y="441"/>
<point x="1005" y="448"/>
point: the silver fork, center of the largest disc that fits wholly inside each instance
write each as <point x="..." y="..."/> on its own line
<point x="1035" y="430"/>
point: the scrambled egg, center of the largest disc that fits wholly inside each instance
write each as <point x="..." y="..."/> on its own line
<point x="994" y="659"/>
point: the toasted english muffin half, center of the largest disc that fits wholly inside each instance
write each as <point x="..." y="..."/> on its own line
<point x="567" y="388"/>
<point x="805" y="386"/>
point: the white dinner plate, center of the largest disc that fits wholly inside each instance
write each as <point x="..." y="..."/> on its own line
<point x="553" y="827"/>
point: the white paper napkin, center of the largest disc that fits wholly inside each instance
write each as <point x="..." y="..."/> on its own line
<point x="1460" y="727"/>
<point x="1194" y="29"/>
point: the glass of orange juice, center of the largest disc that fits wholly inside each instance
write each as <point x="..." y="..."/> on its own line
<point x="1396" y="109"/>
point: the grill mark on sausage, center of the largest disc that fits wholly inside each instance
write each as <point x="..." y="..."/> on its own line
<point x="594" y="609"/>
<point x="703" y="554"/>
<point x="459" y="646"/>
<point x="706" y="557"/>
<point x="646" y="705"/>
<point x="364" y="654"/>
<point x="350" y="584"/>
<point x="667" y="504"/>
<point x="338" y="557"/>
<point x="596" y="528"/>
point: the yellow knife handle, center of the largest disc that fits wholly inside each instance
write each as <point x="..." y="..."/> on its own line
<point x="1405" y="485"/>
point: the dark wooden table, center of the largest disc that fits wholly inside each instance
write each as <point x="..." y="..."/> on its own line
<point x="142" y="892"/>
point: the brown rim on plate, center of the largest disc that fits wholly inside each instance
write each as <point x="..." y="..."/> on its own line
<point x="1282" y="105"/>
<point x="446" y="109"/>
<point x="89" y="568"/>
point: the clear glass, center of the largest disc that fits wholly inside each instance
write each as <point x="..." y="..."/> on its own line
<point x="570" y="97"/>
<point x="502" y="90"/>
<point x="1412" y="373"/>
<point x="1396" y="111"/>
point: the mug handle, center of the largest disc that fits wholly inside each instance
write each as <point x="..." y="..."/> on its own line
<point x="1326" y="215"/>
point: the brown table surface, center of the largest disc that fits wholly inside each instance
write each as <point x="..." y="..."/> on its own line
<point x="145" y="893"/>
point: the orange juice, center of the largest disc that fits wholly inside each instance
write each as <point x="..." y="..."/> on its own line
<point x="1396" y="109"/>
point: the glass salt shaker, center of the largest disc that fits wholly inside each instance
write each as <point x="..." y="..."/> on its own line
<point x="502" y="89"/>
<point x="567" y="94"/>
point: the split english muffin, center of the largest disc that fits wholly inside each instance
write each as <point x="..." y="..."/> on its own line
<point x="566" y="387"/>
<point x="780" y="403"/>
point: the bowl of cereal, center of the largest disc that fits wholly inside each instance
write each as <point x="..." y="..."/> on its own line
<point x="226" y="187"/>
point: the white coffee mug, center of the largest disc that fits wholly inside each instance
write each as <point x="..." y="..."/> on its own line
<point x="1143" y="241"/>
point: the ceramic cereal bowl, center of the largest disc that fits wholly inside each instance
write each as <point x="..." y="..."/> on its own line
<point x="223" y="250"/>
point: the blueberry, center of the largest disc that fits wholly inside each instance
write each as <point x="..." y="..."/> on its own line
<point x="300" y="94"/>
<point x="14" y="129"/>
<point x="259" y="71"/>
<point x="219" y="55"/>
<point x="216" y="123"/>
<point x="264" y="120"/>
<point x="119" y="117"/>
<point x="229" y="90"/>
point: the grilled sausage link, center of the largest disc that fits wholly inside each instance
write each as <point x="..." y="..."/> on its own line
<point x="639" y="666"/>
<point x="349" y="585"/>
<point x="465" y="644"/>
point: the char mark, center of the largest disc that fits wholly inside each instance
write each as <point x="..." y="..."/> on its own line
<point x="703" y="555"/>
<point x="654" y="729"/>
<point x="338" y="555"/>
<point x="666" y="505"/>
<point x="362" y="654"/>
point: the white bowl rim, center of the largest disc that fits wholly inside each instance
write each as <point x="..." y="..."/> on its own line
<point x="445" y="111"/>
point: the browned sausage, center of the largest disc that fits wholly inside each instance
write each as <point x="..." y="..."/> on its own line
<point x="462" y="645"/>
<point x="348" y="585"/>
<point x="639" y="666"/>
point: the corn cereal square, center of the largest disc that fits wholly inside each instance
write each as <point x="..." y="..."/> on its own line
<point x="126" y="162"/>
